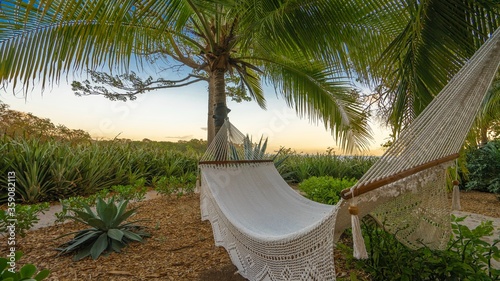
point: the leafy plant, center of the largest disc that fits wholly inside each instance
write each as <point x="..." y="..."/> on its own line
<point x="483" y="165"/>
<point x="473" y="250"/>
<point x="137" y="191"/>
<point x="27" y="272"/>
<point x="256" y="151"/>
<point x="179" y="185"/>
<point x="78" y="203"/>
<point x="468" y="256"/>
<point x="25" y="215"/>
<point x="108" y="230"/>
<point x="325" y="189"/>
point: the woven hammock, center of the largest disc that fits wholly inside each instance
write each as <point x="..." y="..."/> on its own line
<point x="273" y="233"/>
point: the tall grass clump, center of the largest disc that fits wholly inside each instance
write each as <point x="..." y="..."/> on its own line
<point x="54" y="169"/>
<point x="299" y="167"/>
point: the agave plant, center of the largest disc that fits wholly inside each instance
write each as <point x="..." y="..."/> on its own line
<point x="108" y="233"/>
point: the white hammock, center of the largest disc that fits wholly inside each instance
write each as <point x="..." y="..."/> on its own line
<point x="273" y="233"/>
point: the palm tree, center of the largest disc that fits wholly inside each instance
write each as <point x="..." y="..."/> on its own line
<point x="299" y="47"/>
<point x="430" y="42"/>
<point x="409" y="49"/>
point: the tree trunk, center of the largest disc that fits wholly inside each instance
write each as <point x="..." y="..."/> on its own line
<point x="219" y="108"/>
<point x="483" y="136"/>
<point x="219" y="98"/>
<point x="211" y="107"/>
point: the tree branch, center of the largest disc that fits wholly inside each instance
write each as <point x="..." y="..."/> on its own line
<point x="132" y="87"/>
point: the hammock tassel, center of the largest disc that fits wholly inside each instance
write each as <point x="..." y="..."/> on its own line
<point x="357" y="236"/>
<point x="455" y="202"/>
<point x="197" y="187"/>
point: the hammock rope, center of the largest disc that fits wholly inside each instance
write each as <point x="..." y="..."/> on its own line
<point x="271" y="232"/>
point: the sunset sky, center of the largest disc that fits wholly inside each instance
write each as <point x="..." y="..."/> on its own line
<point x="175" y="114"/>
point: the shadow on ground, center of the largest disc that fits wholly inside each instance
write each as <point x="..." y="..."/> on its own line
<point x="226" y="273"/>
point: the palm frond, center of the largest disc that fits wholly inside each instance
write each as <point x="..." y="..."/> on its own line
<point x="438" y="38"/>
<point x="322" y="95"/>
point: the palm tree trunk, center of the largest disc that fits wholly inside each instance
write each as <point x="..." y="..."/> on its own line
<point x="219" y="98"/>
<point x="220" y="110"/>
<point x="483" y="136"/>
<point x="211" y="107"/>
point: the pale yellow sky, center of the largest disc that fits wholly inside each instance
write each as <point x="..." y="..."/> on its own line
<point x="177" y="114"/>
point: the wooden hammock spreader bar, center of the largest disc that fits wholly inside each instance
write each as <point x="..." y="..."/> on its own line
<point x="346" y="193"/>
<point x="234" y="162"/>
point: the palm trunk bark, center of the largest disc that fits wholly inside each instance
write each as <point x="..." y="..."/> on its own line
<point x="483" y="136"/>
<point x="219" y="101"/>
<point x="220" y="110"/>
<point x="211" y="107"/>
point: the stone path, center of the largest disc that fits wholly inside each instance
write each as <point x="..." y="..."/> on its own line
<point x="49" y="217"/>
<point x="473" y="220"/>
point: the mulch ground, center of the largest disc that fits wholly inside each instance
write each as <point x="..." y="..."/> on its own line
<point x="181" y="246"/>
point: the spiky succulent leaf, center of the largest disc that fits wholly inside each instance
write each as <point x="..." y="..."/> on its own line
<point x="122" y="206"/>
<point x="83" y="253"/>
<point x="99" y="246"/>
<point x="108" y="233"/>
<point x="132" y="236"/>
<point x="81" y="241"/>
<point x="115" y="234"/>
<point x="117" y="245"/>
<point x="109" y="214"/>
<point x="98" y="224"/>
<point x="121" y="219"/>
<point x="81" y="216"/>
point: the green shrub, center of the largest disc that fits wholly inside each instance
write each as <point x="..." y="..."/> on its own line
<point x="467" y="257"/>
<point x="179" y="185"/>
<point x="137" y="191"/>
<point x="25" y="215"/>
<point x="483" y="165"/>
<point x="108" y="233"/>
<point x="325" y="189"/>
<point x="298" y="168"/>
<point x="27" y="272"/>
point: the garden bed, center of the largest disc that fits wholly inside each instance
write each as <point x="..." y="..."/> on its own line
<point x="181" y="246"/>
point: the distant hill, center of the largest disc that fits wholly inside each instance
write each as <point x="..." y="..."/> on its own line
<point x="16" y="124"/>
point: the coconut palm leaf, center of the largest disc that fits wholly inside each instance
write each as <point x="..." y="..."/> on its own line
<point x="437" y="39"/>
<point x="258" y="40"/>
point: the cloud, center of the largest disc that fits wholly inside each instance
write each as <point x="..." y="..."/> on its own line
<point x="180" y="137"/>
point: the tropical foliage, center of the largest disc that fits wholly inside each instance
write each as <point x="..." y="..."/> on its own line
<point x="26" y="216"/>
<point x="325" y="189"/>
<point x="430" y="41"/>
<point x="27" y="271"/>
<point x="483" y="166"/>
<point x="302" y="48"/>
<point x="109" y="232"/>
<point x="53" y="170"/>
<point x="487" y="125"/>
<point x="467" y="257"/>
<point x="299" y="167"/>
